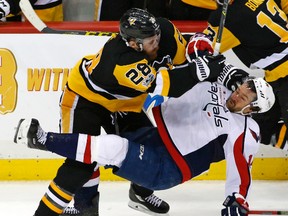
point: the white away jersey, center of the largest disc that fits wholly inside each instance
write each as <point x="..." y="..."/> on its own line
<point x="199" y="119"/>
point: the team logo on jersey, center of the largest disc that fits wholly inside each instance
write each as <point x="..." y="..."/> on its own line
<point x="216" y="106"/>
<point x="8" y="83"/>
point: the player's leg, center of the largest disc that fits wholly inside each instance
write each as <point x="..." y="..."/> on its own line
<point x="69" y="179"/>
<point x="106" y="149"/>
<point x="86" y="118"/>
<point x="71" y="175"/>
<point x="154" y="168"/>
<point x="140" y="197"/>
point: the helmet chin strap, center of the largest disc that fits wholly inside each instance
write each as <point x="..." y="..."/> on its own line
<point x="242" y="110"/>
<point x="140" y="45"/>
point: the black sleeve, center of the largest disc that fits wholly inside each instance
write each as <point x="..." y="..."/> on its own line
<point x="187" y="36"/>
<point x="14" y="6"/>
<point x="181" y="80"/>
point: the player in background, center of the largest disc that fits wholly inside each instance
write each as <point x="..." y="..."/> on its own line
<point x="47" y="10"/>
<point x="257" y="32"/>
<point x="207" y="124"/>
<point x="172" y="10"/>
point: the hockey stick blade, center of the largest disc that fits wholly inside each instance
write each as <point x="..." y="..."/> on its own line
<point x="221" y="27"/>
<point x="268" y="212"/>
<point x="33" y="18"/>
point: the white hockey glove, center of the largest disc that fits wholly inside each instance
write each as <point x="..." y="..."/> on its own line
<point x="232" y="77"/>
<point x="207" y="67"/>
<point x="153" y="100"/>
<point x="4" y="8"/>
<point x="236" y="205"/>
<point x="199" y="44"/>
<point x="165" y="63"/>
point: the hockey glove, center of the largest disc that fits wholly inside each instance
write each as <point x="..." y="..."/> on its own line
<point x="200" y="44"/>
<point x="153" y="100"/>
<point x="166" y="63"/>
<point x="4" y="8"/>
<point x="232" y="77"/>
<point x="207" y="67"/>
<point x="236" y="205"/>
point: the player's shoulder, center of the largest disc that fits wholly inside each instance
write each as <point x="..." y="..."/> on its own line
<point x="253" y="124"/>
<point x="166" y="26"/>
<point x="249" y="123"/>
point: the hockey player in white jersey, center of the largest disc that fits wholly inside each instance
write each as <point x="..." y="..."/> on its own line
<point x="209" y="123"/>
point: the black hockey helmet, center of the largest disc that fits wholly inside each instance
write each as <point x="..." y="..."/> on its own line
<point x="139" y="24"/>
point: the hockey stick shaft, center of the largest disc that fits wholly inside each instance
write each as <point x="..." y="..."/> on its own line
<point x="33" y="18"/>
<point x="221" y="27"/>
<point x="268" y="212"/>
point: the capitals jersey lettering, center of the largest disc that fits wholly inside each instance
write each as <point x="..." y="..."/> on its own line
<point x="119" y="78"/>
<point x="257" y="31"/>
<point x="198" y="130"/>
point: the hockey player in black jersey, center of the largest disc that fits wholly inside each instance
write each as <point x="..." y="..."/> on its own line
<point x="257" y="32"/>
<point x="108" y="90"/>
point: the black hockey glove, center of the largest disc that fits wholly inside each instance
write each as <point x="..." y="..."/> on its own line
<point x="232" y="77"/>
<point x="236" y="205"/>
<point x="207" y="67"/>
<point x="165" y="63"/>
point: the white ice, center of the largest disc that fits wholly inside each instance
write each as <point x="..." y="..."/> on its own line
<point x="194" y="198"/>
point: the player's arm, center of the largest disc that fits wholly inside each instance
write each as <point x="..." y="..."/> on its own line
<point x="175" y="82"/>
<point x="239" y="149"/>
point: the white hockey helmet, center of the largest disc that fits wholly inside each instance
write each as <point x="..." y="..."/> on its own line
<point x="265" y="95"/>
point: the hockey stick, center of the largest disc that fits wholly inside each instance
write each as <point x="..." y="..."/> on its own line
<point x="221" y="27"/>
<point x="268" y="212"/>
<point x="33" y="18"/>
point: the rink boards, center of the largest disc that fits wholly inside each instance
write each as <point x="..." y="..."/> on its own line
<point x="272" y="167"/>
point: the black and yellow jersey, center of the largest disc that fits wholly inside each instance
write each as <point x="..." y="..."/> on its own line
<point x="258" y="33"/>
<point x="47" y="10"/>
<point x="119" y="78"/>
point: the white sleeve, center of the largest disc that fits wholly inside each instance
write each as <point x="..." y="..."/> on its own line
<point x="240" y="149"/>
